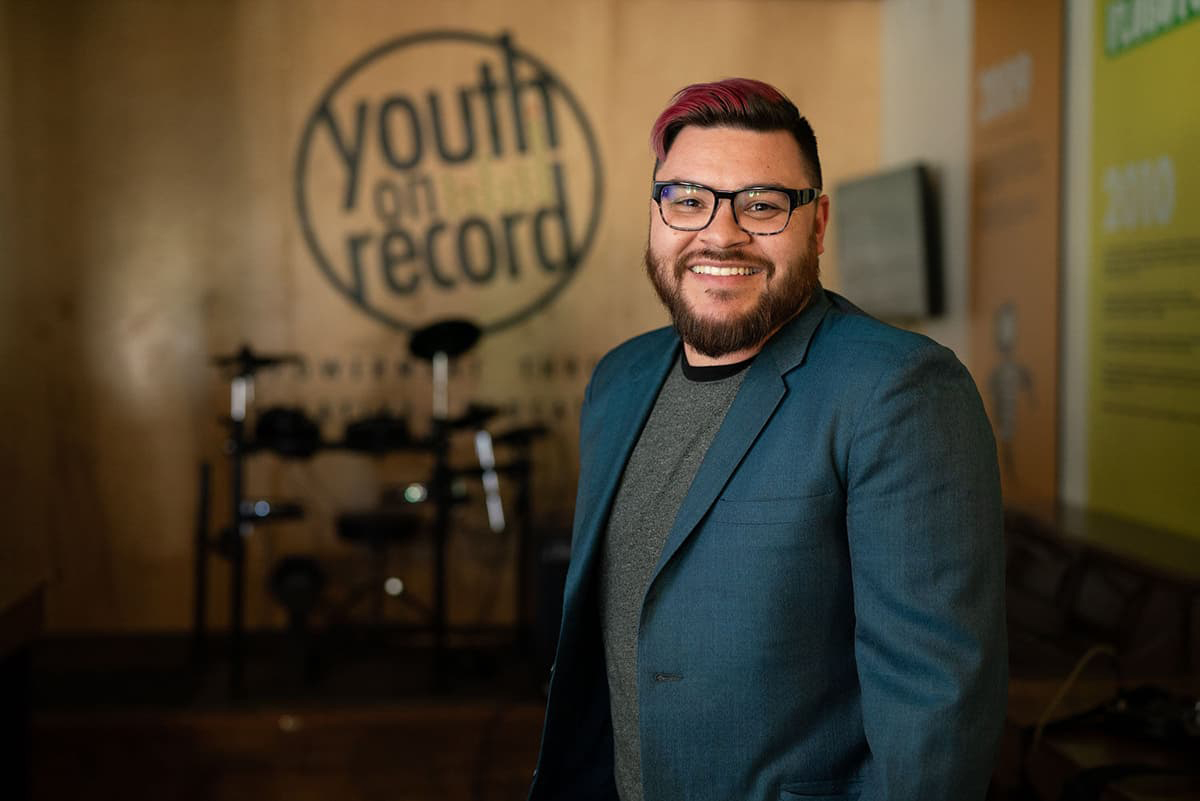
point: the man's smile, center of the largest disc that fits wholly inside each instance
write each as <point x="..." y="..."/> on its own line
<point x="723" y="267"/>
<point x="712" y="269"/>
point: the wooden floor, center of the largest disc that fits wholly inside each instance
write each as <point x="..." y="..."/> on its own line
<point x="142" y="725"/>
<point x="135" y="720"/>
<point x="411" y="751"/>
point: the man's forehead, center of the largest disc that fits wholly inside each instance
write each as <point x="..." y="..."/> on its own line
<point x="739" y="154"/>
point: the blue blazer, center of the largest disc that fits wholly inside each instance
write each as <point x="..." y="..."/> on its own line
<point x="826" y="620"/>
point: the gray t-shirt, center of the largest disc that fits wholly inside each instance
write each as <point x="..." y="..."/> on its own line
<point x="689" y="410"/>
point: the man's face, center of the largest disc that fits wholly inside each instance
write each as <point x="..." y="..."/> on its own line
<point x="721" y="314"/>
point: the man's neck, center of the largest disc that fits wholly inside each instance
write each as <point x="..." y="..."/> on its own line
<point x="698" y="359"/>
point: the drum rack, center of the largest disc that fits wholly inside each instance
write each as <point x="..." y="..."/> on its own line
<point x="437" y="343"/>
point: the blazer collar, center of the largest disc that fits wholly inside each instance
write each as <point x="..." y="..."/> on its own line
<point x="787" y="349"/>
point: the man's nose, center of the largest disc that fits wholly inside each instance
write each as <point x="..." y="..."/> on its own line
<point x="724" y="231"/>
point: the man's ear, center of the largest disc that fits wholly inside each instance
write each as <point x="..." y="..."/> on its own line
<point x="820" y="222"/>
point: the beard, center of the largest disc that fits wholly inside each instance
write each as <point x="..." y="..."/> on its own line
<point x="717" y="337"/>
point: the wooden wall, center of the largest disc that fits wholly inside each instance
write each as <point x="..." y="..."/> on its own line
<point x="148" y="220"/>
<point x="24" y="457"/>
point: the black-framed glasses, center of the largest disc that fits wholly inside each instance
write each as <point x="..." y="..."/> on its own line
<point x="758" y="210"/>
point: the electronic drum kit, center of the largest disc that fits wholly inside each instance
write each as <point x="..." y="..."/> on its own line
<point x="289" y="432"/>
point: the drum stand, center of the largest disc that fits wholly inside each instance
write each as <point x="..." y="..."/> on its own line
<point x="231" y="542"/>
<point x="437" y="344"/>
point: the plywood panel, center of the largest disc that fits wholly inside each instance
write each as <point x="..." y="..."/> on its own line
<point x="24" y="461"/>
<point x="157" y="152"/>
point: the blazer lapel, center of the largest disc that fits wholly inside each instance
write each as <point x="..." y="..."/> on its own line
<point x="623" y="423"/>
<point x="756" y="401"/>
<point x="760" y="394"/>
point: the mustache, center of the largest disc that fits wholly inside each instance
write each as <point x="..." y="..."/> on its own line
<point x="723" y="256"/>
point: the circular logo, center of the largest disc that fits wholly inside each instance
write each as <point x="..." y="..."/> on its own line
<point x="448" y="174"/>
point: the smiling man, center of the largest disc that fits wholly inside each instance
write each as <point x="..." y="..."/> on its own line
<point x="787" y="576"/>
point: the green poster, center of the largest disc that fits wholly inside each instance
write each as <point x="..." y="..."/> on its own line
<point x="1144" y="423"/>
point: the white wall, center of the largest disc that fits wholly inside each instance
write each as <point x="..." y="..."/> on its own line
<point x="1077" y="173"/>
<point x="926" y="85"/>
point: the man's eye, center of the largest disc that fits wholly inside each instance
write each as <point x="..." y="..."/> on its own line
<point x="689" y="203"/>
<point x="763" y="204"/>
<point x="762" y="210"/>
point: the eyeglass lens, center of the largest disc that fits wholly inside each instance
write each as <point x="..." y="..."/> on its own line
<point x="759" y="211"/>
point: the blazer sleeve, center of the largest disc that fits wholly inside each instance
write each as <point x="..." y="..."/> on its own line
<point x="924" y="523"/>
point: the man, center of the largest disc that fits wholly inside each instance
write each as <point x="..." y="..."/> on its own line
<point x="787" y="570"/>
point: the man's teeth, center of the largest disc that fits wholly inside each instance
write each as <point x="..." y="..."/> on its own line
<point x="708" y="269"/>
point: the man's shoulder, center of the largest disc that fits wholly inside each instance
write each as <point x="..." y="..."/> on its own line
<point x="632" y="354"/>
<point x="848" y="331"/>
<point x="648" y="344"/>
<point x="853" y="354"/>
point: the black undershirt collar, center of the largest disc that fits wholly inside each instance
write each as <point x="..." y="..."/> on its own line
<point x="714" y="372"/>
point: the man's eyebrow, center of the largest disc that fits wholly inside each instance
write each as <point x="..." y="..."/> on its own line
<point x="761" y="185"/>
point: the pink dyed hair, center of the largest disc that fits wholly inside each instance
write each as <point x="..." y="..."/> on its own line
<point x="738" y="103"/>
